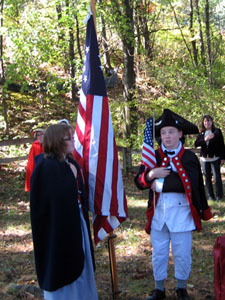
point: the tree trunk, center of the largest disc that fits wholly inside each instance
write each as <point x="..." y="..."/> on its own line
<point x="125" y="27"/>
<point x="78" y="37"/>
<point x="5" y="112"/>
<point x="208" y="40"/>
<point x="72" y="66"/>
<point x="139" y="44"/>
<point x="106" y="56"/>
<point x="59" y="16"/>
<point x="146" y="36"/>
<point x="193" y="41"/>
<point x="144" y="43"/>
<point x="128" y="91"/>
<point x="200" y="34"/>
<point x="2" y="74"/>
<point x="129" y="75"/>
<point x="144" y="9"/>
<point x="74" y="88"/>
<point x="183" y="37"/>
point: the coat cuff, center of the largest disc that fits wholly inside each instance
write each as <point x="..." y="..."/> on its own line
<point x="207" y="214"/>
<point x="142" y="180"/>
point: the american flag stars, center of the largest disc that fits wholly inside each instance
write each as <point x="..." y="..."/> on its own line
<point x="148" y="152"/>
<point x="148" y="138"/>
<point x="90" y="74"/>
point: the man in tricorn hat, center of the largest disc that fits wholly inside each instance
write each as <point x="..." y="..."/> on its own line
<point x="179" y="203"/>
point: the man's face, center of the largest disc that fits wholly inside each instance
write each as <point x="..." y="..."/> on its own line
<point x="170" y="137"/>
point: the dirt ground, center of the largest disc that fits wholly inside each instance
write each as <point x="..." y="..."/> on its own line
<point x="132" y="246"/>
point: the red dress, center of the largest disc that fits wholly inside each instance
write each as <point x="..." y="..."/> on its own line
<point x="36" y="149"/>
<point x="219" y="267"/>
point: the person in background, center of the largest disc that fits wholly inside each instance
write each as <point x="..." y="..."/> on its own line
<point x="64" y="121"/>
<point x="179" y="203"/>
<point x="36" y="149"/>
<point x="63" y="249"/>
<point x="212" y="156"/>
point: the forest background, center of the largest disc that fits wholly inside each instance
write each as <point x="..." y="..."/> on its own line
<point x="164" y="54"/>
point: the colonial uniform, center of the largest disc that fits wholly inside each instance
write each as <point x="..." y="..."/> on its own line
<point x="180" y="203"/>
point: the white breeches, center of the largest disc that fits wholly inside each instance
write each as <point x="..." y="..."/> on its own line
<point x="181" y="243"/>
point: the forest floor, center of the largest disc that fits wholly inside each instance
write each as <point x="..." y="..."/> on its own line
<point x="132" y="246"/>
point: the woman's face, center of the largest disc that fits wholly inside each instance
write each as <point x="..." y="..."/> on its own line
<point x="69" y="144"/>
<point x="207" y="123"/>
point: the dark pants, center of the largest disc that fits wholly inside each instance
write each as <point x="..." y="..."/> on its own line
<point x="209" y="169"/>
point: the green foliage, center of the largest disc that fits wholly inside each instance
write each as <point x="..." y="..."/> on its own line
<point x="36" y="50"/>
<point x="37" y="38"/>
<point x="119" y="17"/>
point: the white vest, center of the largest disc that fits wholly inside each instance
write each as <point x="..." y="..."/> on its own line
<point x="173" y="209"/>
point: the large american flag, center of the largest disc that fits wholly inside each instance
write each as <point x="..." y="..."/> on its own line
<point x="95" y="146"/>
<point x="148" y="153"/>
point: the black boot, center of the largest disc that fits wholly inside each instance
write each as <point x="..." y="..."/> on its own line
<point x="157" y="295"/>
<point x="182" y="294"/>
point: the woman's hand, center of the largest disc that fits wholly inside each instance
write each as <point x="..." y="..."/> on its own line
<point x="158" y="173"/>
<point x="209" y="137"/>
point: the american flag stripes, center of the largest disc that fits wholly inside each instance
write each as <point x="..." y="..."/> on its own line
<point x="148" y="152"/>
<point x="95" y="147"/>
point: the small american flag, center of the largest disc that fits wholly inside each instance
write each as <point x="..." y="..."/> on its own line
<point x="148" y="153"/>
<point x="95" y="146"/>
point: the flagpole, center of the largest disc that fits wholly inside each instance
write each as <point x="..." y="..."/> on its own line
<point x="113" y="268"/>
<point x="92" y="4"/>
<point x="111" y="236"/>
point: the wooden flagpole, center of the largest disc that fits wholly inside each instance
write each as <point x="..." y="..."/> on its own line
<point x="111" y="236"/>
<point x="92" y="4"/>
<point x="113" y="268"/>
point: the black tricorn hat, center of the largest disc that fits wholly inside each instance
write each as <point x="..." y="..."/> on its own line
<point x="169" y="118"/>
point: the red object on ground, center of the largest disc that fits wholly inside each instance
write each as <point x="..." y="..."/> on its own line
<point x="219" y="268"/>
